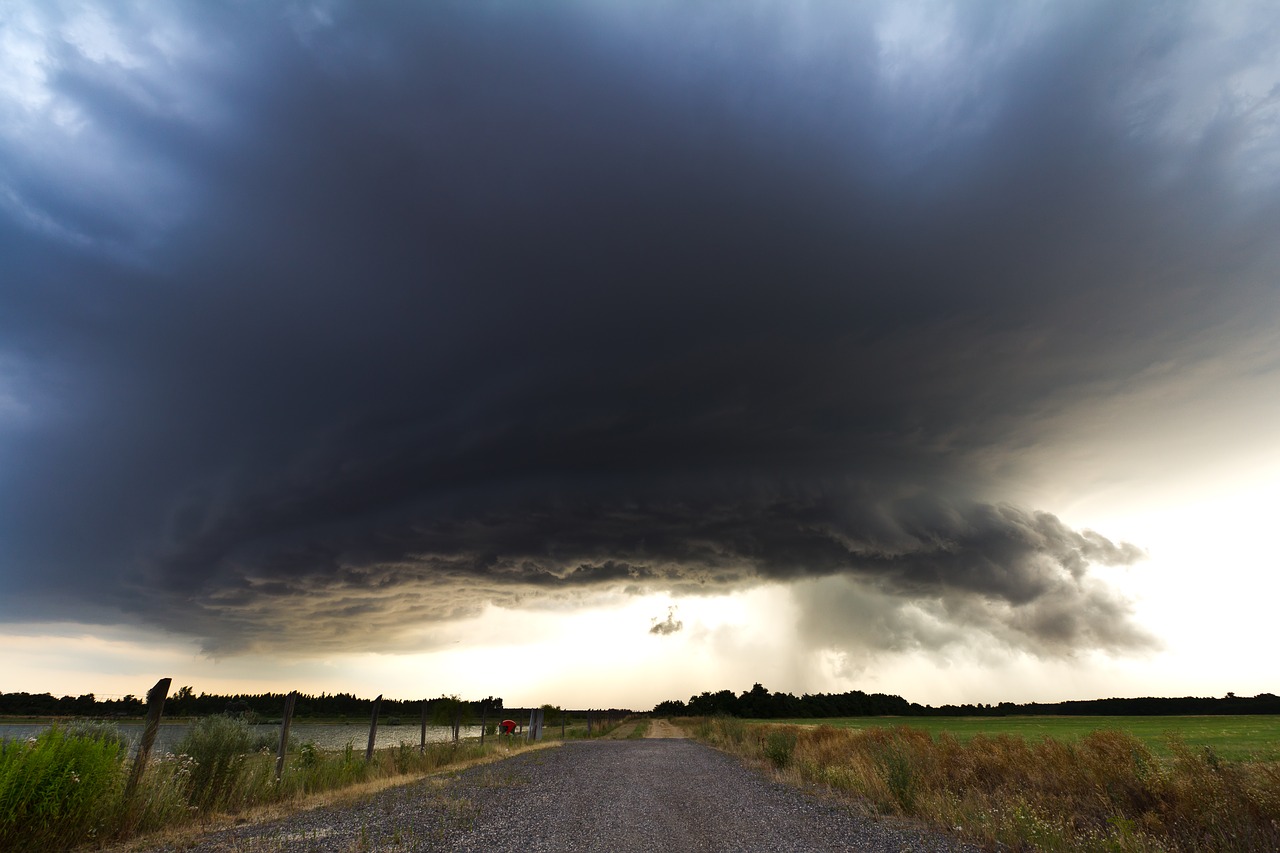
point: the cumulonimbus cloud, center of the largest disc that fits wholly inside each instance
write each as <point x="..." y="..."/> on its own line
<point x="474" y="305"/>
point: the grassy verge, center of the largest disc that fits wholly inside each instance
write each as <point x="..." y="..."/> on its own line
<point x="1105" y="792"/>
<point x="65" y="788"/>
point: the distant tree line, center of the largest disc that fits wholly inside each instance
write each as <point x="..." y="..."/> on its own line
<point x="758" y="703"/>
<point x="185" y="703"/>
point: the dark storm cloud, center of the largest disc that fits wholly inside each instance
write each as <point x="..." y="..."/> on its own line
<point x="980" y="559"/>
<point x="387" y="313"/>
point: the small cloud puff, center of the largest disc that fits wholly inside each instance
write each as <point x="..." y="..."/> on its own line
<point x="670" y="625"/>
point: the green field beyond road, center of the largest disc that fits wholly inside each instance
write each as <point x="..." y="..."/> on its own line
<point x="1234" y="738"/>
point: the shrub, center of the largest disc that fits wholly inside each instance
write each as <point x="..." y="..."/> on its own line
<point x="778" y="746"/>
<point x="308" y="754"/>
<point x="100" y="731"/>
<point x="404" y="756"/>
<point x="60" y="789"/>
<point x="219" y="746"/>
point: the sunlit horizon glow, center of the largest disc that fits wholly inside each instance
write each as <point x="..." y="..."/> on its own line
<point x="603" y="354"/>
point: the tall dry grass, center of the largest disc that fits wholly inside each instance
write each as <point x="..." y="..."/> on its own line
<point x="1106" y="793"/>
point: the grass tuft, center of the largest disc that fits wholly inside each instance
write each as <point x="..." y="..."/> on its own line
<point x="779" y="745"/>
<point x="640" y="731"/>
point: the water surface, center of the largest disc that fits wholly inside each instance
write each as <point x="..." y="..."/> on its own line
<point x="325" y="736"/>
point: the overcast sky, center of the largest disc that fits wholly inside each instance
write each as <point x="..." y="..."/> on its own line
<point x="345" y="332"/>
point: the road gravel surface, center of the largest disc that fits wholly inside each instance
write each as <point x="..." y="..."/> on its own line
<point x="651" y="794"/>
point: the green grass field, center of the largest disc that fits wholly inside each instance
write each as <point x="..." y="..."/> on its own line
<point x="1233" y="738"/>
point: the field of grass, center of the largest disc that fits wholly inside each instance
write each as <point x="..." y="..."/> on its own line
<point x="1064" y="784"/>
<point x="1232" y="738"/>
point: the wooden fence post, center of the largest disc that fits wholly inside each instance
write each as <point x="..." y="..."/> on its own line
<point x="422" y="740"/>
<point x="536" y="718"/>
<point x="290" y="701"/>
<point x="562" y="716"/>
<point x="484" y="714"/>
<point x="588" y="723"/>
<point x="373" y="728"/>
<point x="155" y="707"/>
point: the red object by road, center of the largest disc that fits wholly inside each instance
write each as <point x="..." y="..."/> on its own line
<point x="508" y="726"/>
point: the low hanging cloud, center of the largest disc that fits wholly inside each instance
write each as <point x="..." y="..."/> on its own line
<point x="667" y="626"/>
<point x="351" y="321"/>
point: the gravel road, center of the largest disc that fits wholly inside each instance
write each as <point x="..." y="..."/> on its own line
<point x="616" y="796"/>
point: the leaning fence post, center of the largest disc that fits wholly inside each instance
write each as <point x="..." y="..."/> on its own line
<point x="373" y="728"/>
<point x="155" y="707"/>
<point x="290" y="701"/>
<point x="484" y="713"/>
<point x="457" y="722"/>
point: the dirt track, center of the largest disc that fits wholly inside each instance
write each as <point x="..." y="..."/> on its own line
<point x="663" y="729"/>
